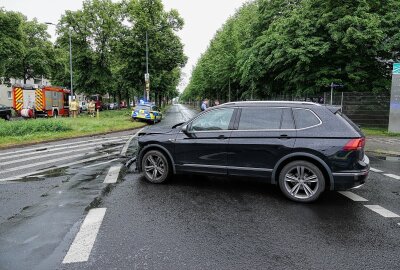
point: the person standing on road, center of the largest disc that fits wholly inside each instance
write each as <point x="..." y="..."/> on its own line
<point x="73" y="107"/>
<point x="204" y="105"/>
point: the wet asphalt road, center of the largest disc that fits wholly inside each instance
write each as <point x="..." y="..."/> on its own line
<point x="197" y="222"/>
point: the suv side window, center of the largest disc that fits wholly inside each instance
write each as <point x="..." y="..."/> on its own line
<point x="260" y="118"/>
<point x="305" y="118"/>
<point x="213" y="120"/>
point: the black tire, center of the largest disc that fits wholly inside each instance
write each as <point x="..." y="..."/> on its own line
<point x="301" y="181"/>
<point x="155" y="167"/>
<point x="55" y="114"/>
<point x="8" y="117"/>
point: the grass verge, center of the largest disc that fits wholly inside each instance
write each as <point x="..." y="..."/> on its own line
<point x="39" y="130"/>
<point x="379" y="132"/>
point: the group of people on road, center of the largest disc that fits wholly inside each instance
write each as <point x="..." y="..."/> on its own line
<point x="205" y="104"/>
<point x="74" y="108"/>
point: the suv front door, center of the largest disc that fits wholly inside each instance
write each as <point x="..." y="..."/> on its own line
<point x="202" y="147"/>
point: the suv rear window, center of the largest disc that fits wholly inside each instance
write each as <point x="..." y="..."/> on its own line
<point x="351" y="123"/>
<point x="304" y="118"/>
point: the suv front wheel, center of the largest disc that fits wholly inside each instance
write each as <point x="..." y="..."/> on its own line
<point x="301" y="181"/>
<point x="155" y="167"/>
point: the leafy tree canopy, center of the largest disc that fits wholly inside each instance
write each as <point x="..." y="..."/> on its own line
<point x="300" y="47"/>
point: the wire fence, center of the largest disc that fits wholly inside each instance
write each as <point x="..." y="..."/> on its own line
<point x="364" y="109"/>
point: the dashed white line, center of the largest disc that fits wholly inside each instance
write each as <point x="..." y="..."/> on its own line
<point x="392" y="176"/>
<point x="353" y="196"/>
<point x="382" y="211"/>
<point x="112" y="175"/>
<point x="375" y="170"/>
<point x="84" y="240"/>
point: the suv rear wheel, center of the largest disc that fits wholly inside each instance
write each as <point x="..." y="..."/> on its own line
<point x="155" y="167"/>
<point x="301" y="181"/>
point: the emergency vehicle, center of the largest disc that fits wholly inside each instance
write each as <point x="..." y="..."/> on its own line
<point x="32" y="101"/>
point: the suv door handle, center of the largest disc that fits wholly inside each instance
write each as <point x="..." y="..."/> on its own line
<point x="221" y="137"/>
<point x="283" y="137"/>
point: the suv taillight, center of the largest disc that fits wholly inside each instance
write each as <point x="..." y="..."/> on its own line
<point x="354" y="144"/>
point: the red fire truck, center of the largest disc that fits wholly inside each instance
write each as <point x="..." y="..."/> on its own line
<point x="31" y="101"/>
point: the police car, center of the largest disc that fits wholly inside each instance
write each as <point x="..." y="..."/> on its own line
<point x="147" y="112"/>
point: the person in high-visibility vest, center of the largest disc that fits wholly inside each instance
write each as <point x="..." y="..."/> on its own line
<point x="92" y="108"/>
<point x="73" y="107"/>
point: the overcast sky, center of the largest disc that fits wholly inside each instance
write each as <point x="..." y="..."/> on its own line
<point x="202" y="19"/>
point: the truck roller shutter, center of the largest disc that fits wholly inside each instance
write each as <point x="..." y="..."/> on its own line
<point x="39" y="99"/>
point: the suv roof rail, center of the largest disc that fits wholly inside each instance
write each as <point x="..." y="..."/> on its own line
<point x="272" y="102"/>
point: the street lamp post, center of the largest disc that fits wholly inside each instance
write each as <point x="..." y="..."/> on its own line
<point x="70" y="56"/>
<point x="147" y="77"/>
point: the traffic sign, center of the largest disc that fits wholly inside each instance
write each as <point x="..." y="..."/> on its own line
<point x="396" y="68"/>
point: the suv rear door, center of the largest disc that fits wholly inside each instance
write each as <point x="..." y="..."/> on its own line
<point x="261" y="136"/>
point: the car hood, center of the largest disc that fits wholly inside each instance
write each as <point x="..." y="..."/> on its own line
<point x="159" y="130"/>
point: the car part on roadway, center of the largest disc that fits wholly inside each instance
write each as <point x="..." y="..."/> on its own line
<point x="301" y="181"/>
<point x="155" y="166"/>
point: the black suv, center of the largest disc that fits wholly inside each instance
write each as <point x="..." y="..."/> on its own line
<point x="303" y="147"/>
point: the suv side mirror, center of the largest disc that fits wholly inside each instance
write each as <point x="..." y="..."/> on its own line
<point x="185" y="129"/>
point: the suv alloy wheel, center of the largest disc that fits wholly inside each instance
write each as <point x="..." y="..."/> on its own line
<point x="301" y="181"/>
<point x="155" y="167"/>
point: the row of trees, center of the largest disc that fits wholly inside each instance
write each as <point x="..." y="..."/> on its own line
<point x="299" y="47"/>
<point x="108" y="47"/>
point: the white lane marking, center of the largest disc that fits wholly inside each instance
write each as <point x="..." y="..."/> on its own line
<point x="52" y="160"/>
<point x="101" y="163"/>
<point x="353" y="196"/>
<point x="375" y="170"/>
<point x="57" y="167"/>
<point x="58" y="153"/>
<point x="80" y="249"/>
<point x="382" y="211"/>
<point x="392" y="176"/>
<point x="58" y="145"/>
<point x="123" y="151"/>
<point x="36" y="152"/>
<point x="112" y="175"/>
